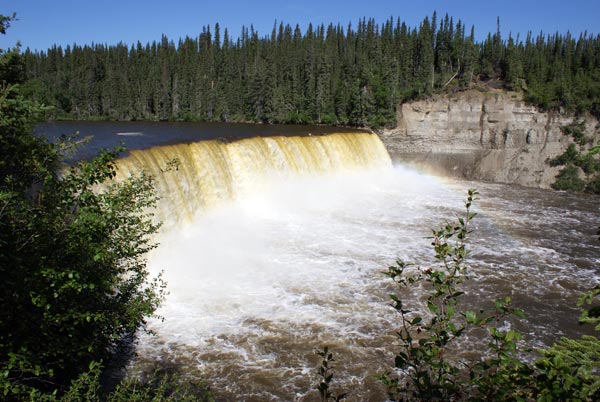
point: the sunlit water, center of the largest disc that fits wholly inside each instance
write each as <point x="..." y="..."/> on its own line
<point x="258" y="285"/>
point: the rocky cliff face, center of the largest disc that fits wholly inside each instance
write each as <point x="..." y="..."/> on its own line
<point x="491" y="136"/>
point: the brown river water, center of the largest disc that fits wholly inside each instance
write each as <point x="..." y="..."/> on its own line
<point x="294" y="262"/>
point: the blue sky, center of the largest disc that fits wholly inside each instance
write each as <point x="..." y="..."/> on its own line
<point x="43" y="23"/>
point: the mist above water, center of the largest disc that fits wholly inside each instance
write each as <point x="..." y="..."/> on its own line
<point x="271" y="267"/>
<point x="265" y="254"/>
<point x="259" y="283"/>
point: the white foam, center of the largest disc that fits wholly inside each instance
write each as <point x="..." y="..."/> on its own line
<point x="300" y="263"/>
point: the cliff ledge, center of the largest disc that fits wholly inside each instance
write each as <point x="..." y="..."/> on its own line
<point x="491" y="136"/>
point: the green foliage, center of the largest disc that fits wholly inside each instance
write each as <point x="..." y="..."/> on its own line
<point x="591" y="315"/>
<point x="576" y="161"/>
<point x="569" y="179"/>
<point x="326" y="371"/>
<point x="327" y="74"/>
<point x="12" y="67"/>
<point x="570" y="155"/>
<point x="429" y="365"/>
<point x="577" y="131"/>
<point x="570" y="370"/>
<point x="77" y="283"/>
<point x="426" y="373"/>
<point x="426" y="369"/>
<point x="86" y="387"/>
<point x="5" y="21"/>
<point x="73" y="280"/>
<point x="589" y="164"/>
<point x="159" y="387"/>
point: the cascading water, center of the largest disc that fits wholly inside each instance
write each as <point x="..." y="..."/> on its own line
<point x="276" y="248"/>
<point x="211" y="173"/>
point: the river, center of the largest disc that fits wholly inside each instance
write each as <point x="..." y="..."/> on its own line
<point x="259" y="283"/>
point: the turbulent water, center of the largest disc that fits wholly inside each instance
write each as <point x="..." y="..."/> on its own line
<point x="263" y="279"/>
<point x="275" y="247"/>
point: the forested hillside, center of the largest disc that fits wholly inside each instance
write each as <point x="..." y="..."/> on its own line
<point x="353" y="75"/>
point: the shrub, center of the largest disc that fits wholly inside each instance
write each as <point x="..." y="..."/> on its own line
<point x="569" y="179"/>
<point x="424" y="367"/>
<point x="593" y="186"/>
<point x="429" y="366"/>
<point x="160" y="386"/>
<point x="73" y="280"/>
<point x="326" y="372"/>
<point x="577" y="131"/>
<point x="569" y="156"/>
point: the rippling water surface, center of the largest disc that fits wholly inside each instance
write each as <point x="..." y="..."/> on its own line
<point x="258" y="285"/>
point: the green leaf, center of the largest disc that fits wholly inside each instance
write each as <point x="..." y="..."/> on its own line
<point x="400" y="362"/>
<point x="471" y="317"/>
<point x="416" y="320"/>
<point x="432" y="307"/>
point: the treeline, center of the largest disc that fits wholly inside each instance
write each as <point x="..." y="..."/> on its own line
<point x="353" y="75"/>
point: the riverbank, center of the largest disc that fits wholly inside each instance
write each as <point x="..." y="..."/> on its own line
<point x="487" y="134"/>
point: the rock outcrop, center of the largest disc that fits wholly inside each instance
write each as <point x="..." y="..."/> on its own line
<point x="482" y="135"/>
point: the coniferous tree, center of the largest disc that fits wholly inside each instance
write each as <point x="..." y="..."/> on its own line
<point x="325" y="74"/>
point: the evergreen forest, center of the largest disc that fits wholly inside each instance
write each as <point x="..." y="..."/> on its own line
<point x="354" y="75"/>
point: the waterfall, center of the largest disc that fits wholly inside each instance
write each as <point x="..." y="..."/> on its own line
<point x="287" y="242"/>
<point x="210" y="173"/>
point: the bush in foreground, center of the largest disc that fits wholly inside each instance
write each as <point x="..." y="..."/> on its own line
<point x="429" y="365"/>
<point x="74" y="286"/>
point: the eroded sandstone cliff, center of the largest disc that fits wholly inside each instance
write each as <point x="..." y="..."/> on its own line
<point x="484" y="135"/>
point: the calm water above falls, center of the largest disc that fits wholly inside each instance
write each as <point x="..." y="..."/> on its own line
<point x="142" y="135"/>
<point x="258" y="283"/>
